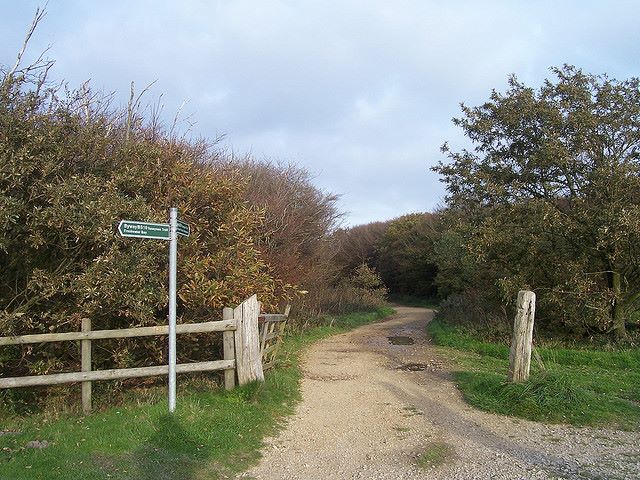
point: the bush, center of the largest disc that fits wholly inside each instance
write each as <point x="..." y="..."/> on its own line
<point x="361" y="291"/>
<point x="72" y="167"/>
<point x="405" y="255"/>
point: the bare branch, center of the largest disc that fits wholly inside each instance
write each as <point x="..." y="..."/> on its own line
<point x="39" y="15"/>
<point x="134" y="104"/>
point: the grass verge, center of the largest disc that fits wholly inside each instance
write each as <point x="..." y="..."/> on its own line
<point x="212" y="434"/>
<point x="572" y="385"/>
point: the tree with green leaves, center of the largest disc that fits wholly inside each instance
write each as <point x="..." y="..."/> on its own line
<point x="405" y="255"/>
<point x="552" y="185"/>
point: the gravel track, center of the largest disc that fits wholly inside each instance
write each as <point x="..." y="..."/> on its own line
<point x="363" y="416"/>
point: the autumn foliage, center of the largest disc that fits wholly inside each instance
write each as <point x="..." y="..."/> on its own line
<point x="72" y="166"/>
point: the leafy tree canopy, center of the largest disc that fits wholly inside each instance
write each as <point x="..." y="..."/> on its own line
<point x="552" y="188"/>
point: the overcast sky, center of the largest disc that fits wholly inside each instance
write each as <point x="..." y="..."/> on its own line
<point x="360" y="93"/>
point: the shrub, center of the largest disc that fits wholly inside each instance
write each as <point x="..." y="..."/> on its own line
<point x="70" y="169"/>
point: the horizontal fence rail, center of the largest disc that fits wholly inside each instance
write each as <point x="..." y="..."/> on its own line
<point x="204" y="327"/>
<point x="115" y="374"/>
<point x="227" y="326"/>
<point x="250" y="341"/>
<point x="273" y="317"/>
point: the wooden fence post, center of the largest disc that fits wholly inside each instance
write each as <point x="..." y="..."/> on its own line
<point x="247" y="341"/>
<point x="229" y="350"/>
<point x="287" y="310"/>
<point x="520" y="354"/>
<point x="85" y="366"/>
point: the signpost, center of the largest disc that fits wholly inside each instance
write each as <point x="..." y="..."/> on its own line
<point x="173" y="270"/>
<point x="164" y="231"/>
<point x="184" y="229"/>
<point x="130" y="228"/>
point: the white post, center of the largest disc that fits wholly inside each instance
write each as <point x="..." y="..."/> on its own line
<point x="173" y="268"/>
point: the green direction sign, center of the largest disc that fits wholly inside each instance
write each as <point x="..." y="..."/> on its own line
<point x="132" y="228"/>
<point x="183" y="229"/>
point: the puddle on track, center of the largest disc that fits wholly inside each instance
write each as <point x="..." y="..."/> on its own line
<point x="401" y="340"/>
<point x="413" y="367"/>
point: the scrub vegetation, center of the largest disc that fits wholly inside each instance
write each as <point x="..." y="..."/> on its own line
<point x="547" y="198"/>
<point x="73" y="164"/>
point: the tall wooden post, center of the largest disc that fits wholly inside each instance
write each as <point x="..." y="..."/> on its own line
<point x="247" y="341"/>
<point x="85" y="366"/>
<point x="521" y="341"/>
<point x="229" y="350"/>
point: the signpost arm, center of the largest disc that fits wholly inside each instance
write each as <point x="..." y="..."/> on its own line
<point x="173" y="267"/>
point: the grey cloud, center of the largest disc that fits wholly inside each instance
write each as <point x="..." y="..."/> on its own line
<point x="360" y="93"/>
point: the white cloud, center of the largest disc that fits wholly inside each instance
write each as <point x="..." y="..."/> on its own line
<point x="360" y="93"/>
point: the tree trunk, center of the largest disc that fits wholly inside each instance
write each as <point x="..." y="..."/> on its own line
<point x="617" y="308"/>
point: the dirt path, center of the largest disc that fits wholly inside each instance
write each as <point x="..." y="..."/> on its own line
<point x="364" y="416"/>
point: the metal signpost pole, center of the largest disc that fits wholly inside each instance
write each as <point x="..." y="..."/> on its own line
<point x="164" y="231"/>
<point x="173" y="261"/>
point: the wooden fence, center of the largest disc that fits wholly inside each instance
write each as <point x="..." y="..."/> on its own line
<point x="247" y="336"/>
<point x="271" y="332"/>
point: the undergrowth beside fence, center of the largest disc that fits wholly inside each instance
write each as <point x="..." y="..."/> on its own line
<point x="212" y="434"/>
<point x="573" y="385"/>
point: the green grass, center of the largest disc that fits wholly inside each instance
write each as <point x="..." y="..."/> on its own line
<point x="212" y="434"/>
<point x="434" y="455"/>
<point x="574" y="385"/>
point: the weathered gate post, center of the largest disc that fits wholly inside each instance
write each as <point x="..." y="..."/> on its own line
<point x="247" y="341"/>
<point x="520" y="354"/>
